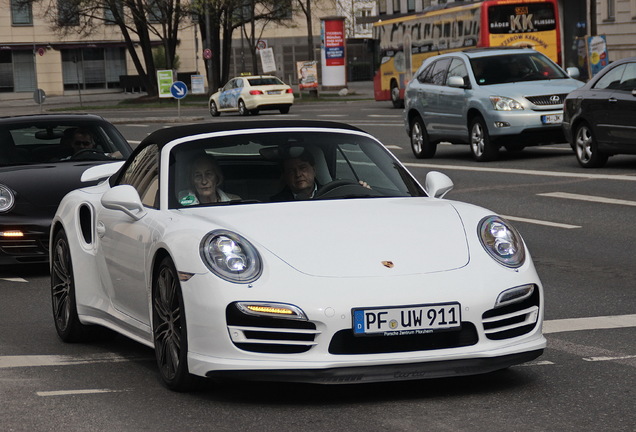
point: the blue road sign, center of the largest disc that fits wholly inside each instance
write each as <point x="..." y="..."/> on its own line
<point x="178" y="90"/>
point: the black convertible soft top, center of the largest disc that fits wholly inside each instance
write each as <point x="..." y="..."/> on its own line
<point x="163" y="136"/>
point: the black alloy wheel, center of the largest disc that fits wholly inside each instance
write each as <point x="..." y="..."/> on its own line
<point x="169" y="328"/>
<point x="214" y="111"/>
<point x="586" y="148"/>
<point x="67" y="323"/>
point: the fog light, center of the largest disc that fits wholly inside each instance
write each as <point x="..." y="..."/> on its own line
<point x="15" y="233"/>
<point x="280" y="310"/>
<point x="501" y="124"/>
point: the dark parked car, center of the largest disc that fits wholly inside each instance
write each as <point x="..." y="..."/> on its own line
<point x="42" y="158"/>
<point x="599" y="119"/>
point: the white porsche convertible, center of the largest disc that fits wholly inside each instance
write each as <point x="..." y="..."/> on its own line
<point x="373" y="278"/>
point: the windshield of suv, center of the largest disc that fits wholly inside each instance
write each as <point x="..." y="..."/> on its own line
<point x="509" y="68"/>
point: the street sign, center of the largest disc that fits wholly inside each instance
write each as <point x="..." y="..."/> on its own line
<point x="178" y="89"/>
<point x="164" y="82"/>
<point x="39" y="96"/>
<point x="197" y="83"/>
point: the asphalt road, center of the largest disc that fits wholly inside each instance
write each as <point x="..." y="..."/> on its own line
<point x="578" y="224"/>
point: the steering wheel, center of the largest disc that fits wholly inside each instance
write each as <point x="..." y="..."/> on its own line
<point x="335" y="184"/>
<point x="89" y="154"/>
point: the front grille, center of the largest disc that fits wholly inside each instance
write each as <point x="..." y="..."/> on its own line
<point x="269" y="335"/>
<point x="513" y="320"/>
<point x="547" y="99"/>
<point x="344" y="342"/>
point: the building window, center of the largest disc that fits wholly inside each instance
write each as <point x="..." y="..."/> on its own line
<point x="154" y="11"/>
<point x="93" y="68"/>
<point x="109" y="15"/>
<point x="611" y="9"/>
<point x="21" y="13"/>
<point x="396" y="6"/>
<point x="67" y="13"/>
<point x="382" y="7"/>
<point x="410" y="5"/>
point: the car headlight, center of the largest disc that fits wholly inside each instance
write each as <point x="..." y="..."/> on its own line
<point x="501" y="103"/>
<point x="7" y="199"/>
<point x="230" y="256"/>
<point x="502" y="241"/>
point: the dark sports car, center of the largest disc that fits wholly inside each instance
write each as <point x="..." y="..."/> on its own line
<point x="42" y="158"/>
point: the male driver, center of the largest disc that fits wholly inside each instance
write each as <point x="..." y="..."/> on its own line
<point x="299" y="174"/>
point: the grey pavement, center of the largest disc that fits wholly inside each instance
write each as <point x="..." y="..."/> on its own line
<point x="23" y="103"/>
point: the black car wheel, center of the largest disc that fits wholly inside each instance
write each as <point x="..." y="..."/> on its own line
<point x="482" y="148"/>
<point x="214" y="111"/>
<point x="586" y="148"/>
<point x="420" y="144"/>
<point x="67" y="323"/>
<point x="169" y="328"/>
<point x="242" y="109"/>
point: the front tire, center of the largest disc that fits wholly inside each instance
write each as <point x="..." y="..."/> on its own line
<point x="481" y="146"/>
<point x="170" y="332"/>
<point x="420" y="143"/>
<point x="586" y="148"/>
<point x="214" y="111"/>
<point x="242" y="109"/>
<point x="67" y="323"/>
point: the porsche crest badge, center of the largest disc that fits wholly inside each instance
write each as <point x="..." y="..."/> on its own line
<point x="388" y="264"/>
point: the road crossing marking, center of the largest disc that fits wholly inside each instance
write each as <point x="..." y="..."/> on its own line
<point x="76" y="392"/>
<point x="589" y="323"/>
<point x="541" y="222"/>
<point x="590" y="176"/>
<point x="598" y="359"/>
<point x="13" y="279"/>
<point x="589" y="198"/>
<point x="62" y="360"/>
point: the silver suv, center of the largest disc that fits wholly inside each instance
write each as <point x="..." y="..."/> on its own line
<point x="487" y="98"/>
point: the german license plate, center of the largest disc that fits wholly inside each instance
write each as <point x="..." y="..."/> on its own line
<point x="273" y="91"/>
<point x="406" y="320"/>
<point x="552" y="119"/>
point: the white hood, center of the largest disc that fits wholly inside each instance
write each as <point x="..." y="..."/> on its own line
<point x="352" y="238"/>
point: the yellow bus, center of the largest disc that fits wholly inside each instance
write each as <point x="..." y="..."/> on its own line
<point x="404" y="42"/>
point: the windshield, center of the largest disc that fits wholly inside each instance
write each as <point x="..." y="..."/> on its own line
<point x="265" y="81"/>
<point x="284" y="166"/>
<point x="47" y="142"/>
<point x="509" y="68"/>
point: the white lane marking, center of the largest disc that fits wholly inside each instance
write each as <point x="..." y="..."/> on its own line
<point x="590" y="198"/>
<point x="134" y="142"/>
<point x="597" y="359"/>
<point x="525" y="172"/>
<point x="76" y="392"/>
<point x="385" y="115"/>
<point x="589" y="323"/>
<point x="333" y="115"/>
<point x="541" y="222"/>
<point x="61" y="360"/>
<point x="394" y="147"/>
<point x="14" y="279"/>
<point x="536" y="363"/>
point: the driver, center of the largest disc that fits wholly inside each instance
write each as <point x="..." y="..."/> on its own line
<point x="299" y="176"/>
<point x="82" y="140"/>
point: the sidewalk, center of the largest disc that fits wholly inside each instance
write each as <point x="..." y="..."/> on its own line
<point x="23" y="103"/>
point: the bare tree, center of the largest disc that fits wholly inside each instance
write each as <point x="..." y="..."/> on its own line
<point x="138" y="21"/>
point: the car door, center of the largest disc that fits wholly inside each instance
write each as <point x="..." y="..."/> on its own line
<point x="124" y="242"/>
<point x="453" y="105"/>
<point x="598" y="105"/>
<point x="622" y="128"/>
<point x="430" y="84"/>
<point x="226" y="98"/>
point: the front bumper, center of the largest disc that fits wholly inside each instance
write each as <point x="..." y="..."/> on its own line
<point x="379" y="373"/>
<point x="526" y="125"/>
<point x="31" y="247"/>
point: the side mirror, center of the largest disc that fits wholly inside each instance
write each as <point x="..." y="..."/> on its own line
<point x="573" y="72"/>
<point x="437" y="184"/>
<point x="124" y="198"/>
<point x="101" y="171"/>
<point x="456" y="81"/>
